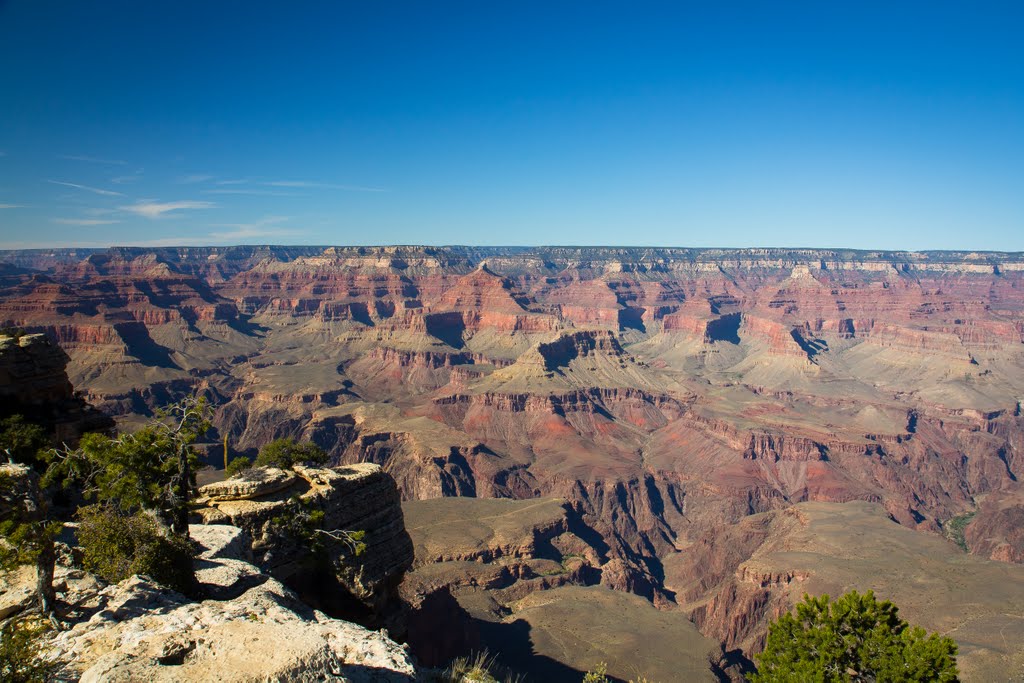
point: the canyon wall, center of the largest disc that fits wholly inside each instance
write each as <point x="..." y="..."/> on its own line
<point x="666" y="395"/>
<point x="34" y="384"/>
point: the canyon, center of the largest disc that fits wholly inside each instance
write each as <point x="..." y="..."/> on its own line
<point x="696" y="428"/>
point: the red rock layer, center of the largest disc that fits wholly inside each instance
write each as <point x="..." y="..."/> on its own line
<point x="667" y="394"/>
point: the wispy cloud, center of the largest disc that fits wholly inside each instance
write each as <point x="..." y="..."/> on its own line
<point x="326" y="186"/>
<point x="11" y="206"/>
<point x="251" y="191"/>
<point x="261" y="223"/>
<point x="3" y="153"/>
<point x="308" y="184"/>
<point x="226" y="237"/>
<point x="265" y="227"/>
<point x="194" y="178"/>
<point x="83" y="221"/>
<point x="123" y="179"/>
<point x="92" y="160"/>
<point x="151" y="209"/>
<point x="43" y="244"/>
<point x="109" y="193"/>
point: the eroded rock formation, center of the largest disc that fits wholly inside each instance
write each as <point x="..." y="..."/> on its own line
<point x="665" y="394"/>
<point x="354" y="498"/>
<point x="734" y="584"/>
<point x="35" y="384"/>
<point x="515" y="578"/>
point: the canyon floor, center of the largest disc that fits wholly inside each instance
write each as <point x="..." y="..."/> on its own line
<point x="709" y="433"/>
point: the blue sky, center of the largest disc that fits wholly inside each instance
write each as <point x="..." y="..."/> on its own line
<point x="831" y="124"/>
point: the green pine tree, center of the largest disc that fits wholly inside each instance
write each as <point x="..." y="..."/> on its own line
<point x="855" y="638"/>
<point x="284" y="453"/>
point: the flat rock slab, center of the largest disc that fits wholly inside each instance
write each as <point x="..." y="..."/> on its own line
<point x="252" y="483"/>
<point x="446" y="529"/>
<point x="568" y="630"/>
<point x="17" y="590"/>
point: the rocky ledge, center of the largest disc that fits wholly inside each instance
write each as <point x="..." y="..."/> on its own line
<point x="139" y="631"/>
<point x="358" y="497"/>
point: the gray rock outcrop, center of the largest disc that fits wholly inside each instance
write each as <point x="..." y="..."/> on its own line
<point x="139" y="631"/>
<point x="359" y="497"/>
<point x="255" y="482"/>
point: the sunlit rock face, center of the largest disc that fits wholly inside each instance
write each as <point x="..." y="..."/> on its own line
<point x="250" y="627"/>
<point x="665" y="394"/>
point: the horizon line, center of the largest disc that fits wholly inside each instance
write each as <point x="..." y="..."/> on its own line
<point x="521" y="247"/>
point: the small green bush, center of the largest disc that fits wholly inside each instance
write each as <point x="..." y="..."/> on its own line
<point x="284" y="453"/>
<point x="116" y="546"/>
<point x="24" y="541"/>
<point x="956" y="527"/>
<point x="853" y="638"/>
<point x="301" y="522"/>
<point x="237" y="466"/>
<point x="21" y="656"/>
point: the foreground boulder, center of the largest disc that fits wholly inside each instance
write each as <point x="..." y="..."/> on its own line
<point x="139" y="631"/>
<point x="251" y="484"/>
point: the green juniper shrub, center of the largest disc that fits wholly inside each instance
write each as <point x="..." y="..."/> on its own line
<point x="28" y="530"/>
<point x="23" y="536"/>
<point x="142" y="484"/>
<point x="152" y="469"/>
<point x="116" y="545"/>
<point x="23" y="442"/>
<point x="285" y="453"/>
<point x="854" y="638"/>
<point x="237" y="466"/>
<point x="25" y="540"/>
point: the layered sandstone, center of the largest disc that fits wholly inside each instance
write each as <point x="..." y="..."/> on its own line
<point x="666" y="394"/>
<point x="355" y="498"/>
<point x="997" y="530"/>
<point x="512" y="576"/>
<point x="758" y="569"/>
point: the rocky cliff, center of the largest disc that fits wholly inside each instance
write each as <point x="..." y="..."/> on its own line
<point x="355" y="498"/>
<point x="733" y="585"/>
<point x="34" y="383"/>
